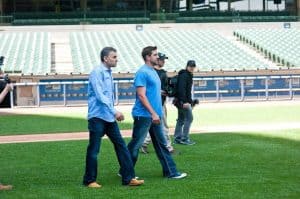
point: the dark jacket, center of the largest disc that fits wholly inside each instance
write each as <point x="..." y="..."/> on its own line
<point x="164" y="82"/>
<point x="184" y="87"/>
<point x="6" y="102"/>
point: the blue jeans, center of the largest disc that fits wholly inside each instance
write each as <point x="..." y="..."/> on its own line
<point x="98" y="128"/>
<point x="183" y="125"/>
<point x="143" y="125"/>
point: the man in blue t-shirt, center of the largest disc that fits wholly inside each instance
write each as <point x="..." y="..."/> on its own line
<point x="147" y="113"/>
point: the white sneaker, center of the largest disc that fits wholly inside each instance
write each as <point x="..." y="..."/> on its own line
<point x="179" y="176"/>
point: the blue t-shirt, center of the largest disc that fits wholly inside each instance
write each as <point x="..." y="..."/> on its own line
<point x="147" y="77"/>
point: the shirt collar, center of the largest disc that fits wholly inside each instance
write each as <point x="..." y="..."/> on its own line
<point x="103" y="66"/>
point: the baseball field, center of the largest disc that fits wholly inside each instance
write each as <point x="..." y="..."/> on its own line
<point x="243" y="150"/>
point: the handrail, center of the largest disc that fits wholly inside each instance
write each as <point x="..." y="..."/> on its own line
<point x="218" y="91"/>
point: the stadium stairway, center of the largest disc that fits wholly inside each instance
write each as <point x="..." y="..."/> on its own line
<point x="251" y="51"/>
<point x="62" y="59"/>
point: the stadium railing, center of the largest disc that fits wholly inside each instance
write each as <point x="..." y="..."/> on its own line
<point x="124" y="90"/>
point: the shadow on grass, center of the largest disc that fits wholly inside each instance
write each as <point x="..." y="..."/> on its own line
<point x="220" y="165"/>
<point x="36" y="124"/>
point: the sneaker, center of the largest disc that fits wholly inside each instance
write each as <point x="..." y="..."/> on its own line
<point x="171" y="149"/>
<point x="94" y="185"/>
<point x="136" y="177"/>
<point x="135" y="182"/>
<point x="177" y="141"/>
<point x="5" y="187"/>
<point x="179" y="176"/>
<point x="144" y="149"/>
<point x="188" y="142"/>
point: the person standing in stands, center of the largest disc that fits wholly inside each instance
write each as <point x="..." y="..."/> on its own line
<point x="164" y="93"/>
<point x="102" y="119"/>
<point x="184" y="103"/>
<point x="147" y="113"/>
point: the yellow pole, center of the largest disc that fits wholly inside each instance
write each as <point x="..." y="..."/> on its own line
<point x="83" y="5"/>
<point x="157" y="6"/>
<point x="298" y="7"/>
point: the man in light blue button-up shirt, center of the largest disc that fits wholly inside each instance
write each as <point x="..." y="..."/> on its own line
<point x="102" y="118"/>
<point x="100" y="94"/>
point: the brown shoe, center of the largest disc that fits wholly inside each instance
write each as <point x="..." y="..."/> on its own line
<point x="135" y="182"/>
<point x="94" y="185"/>
<point x="5" y="187"/>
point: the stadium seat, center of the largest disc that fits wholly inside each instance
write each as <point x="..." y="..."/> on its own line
<point x="282" y="46"/>
<point x="26" y="52"/>
<point x="210" y="50"/>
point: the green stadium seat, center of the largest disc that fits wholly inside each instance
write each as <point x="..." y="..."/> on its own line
<point x="26" y="52"/>
<point x="279" y="45"/>
<point x="210" y="50"/>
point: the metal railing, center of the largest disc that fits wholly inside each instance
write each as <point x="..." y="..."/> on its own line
<point x="218" y="91"/>
<point x="266" y="90"/>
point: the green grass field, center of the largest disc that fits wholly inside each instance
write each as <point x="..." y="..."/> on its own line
<point x="203" y="116"/>
<point x="220" y="165"/>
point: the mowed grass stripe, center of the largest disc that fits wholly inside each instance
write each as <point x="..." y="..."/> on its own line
<point x="203" y="116"/>
<point x="219" y="166"/>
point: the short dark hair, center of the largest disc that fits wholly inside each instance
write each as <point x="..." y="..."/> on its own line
<point x="105" y="52"/>
<point x="148" y="51"/>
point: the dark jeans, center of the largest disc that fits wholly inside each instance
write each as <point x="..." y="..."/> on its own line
<point x="98" y="128"/>
<point x="143" y="125"/>
<point x="183" y="125"/>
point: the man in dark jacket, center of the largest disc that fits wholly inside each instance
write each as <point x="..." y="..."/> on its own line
<point x="184" y="104"/>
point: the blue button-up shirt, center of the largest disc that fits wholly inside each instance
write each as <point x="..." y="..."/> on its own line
<point x="101" y="94"/>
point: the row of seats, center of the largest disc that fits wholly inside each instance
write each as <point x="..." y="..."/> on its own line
<point x="73" y="18"/>
<point x="26" y="52"/>
<point x="30" y="52"/>
<point x="236" y="18"/>
<point x="81" y="14"/>
<point x="76" y="21"/>
<point x="212" y="13"/>
<point x="210" y="50"/>
<point x="282" y="46"/>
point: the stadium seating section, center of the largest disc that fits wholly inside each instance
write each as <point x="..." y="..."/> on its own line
<point x="232" y="16"/>
<point x="75" y="18"/>
<point x="141" y="16"/>
<point x="30" y="52"/>
<point x="26" y="52"/>
<point x="210" y="50"/>
<point x="281" y="46"/>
